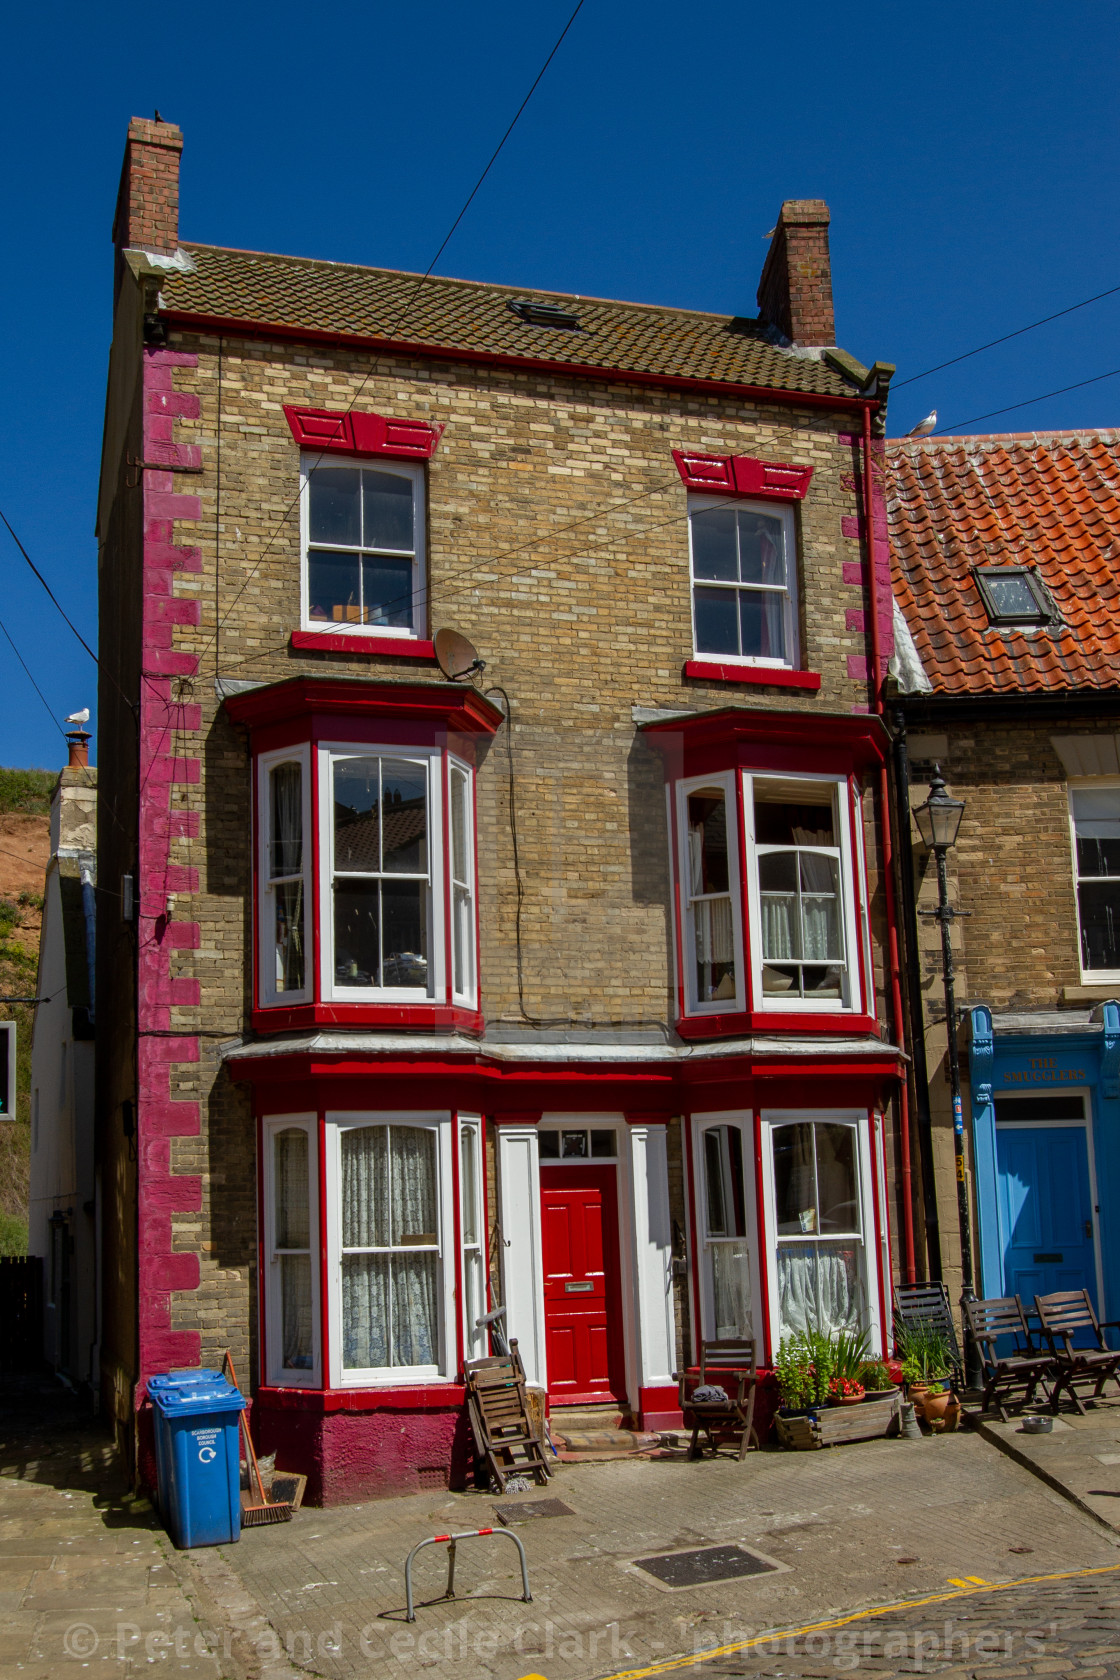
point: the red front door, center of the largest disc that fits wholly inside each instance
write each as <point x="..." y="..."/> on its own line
<point x="582" y="1297"/>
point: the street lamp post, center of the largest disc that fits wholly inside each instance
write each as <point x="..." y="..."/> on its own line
<point x="938" y="822"/>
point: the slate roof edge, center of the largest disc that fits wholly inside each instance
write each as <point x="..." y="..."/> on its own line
<point x="248" y="328"/>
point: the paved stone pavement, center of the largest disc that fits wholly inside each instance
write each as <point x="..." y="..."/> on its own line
<point x="864" y="1524"/>
<point x="1081" y="1456"/>
<point x="90" y="1585"/>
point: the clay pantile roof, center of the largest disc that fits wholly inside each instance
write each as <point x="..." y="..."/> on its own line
<point x="1051" y="502"/>
<point x="298" y="296"/>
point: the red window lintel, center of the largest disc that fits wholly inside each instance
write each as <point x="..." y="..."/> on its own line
<point x="348" y="432"/>
<point x="742" y="475"/>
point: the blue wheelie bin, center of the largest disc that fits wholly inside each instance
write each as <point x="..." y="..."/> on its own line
<point x="160" y="1432"/>
<point x="200" y="1461"/>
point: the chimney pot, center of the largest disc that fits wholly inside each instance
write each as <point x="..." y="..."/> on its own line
<point x="147" y="215"/>
<point x="78" y="742"/>
<point x="795" y="291"/>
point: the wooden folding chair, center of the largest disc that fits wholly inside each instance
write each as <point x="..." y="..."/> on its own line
<point x="1025" y="1368"/>
<point x="721" y="1362"/>
<point x="928" y="1303"/>
<point x="1062" y="1315"/>
<point x="504" y="1435"/>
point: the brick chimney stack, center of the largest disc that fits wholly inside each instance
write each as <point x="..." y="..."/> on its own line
<point x="147" y="215"/>
<point x="795" y="292"/>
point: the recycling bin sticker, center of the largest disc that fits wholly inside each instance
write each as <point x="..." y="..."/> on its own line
<point x="206" y="1442"/>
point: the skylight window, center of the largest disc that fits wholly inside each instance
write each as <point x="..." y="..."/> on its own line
<point x="1013" y="595"/>
<point x="543" y="314"/>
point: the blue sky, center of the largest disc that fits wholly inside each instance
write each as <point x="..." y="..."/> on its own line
<point x="968" y="155"/>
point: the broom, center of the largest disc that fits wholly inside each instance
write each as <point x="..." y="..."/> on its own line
<point x="253" y="1516"/>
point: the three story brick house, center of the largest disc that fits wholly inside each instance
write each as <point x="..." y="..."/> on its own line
<point x="1005" y="570"/>
<point x="557" y="978"/>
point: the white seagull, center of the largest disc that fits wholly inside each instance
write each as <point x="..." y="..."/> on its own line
<point x="924" y="427"/>
<point x="79" y="718"/>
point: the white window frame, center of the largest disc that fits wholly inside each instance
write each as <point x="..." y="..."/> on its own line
<point x="438" y="876"/>
<point x="276" y="1374"/>
<point x="393" y="1376"/>
<point x="1088" y="784"/>
<point x="851" y="1002"/>
<point x="413" y="471"/>
<point x="858" y="1120"/>
<point x="267" y="995"/>
<point x="725" y="781"/>
<point x="462" y="911"/>
<point x="476" y="1343"/>
<point x="772" y="510"/>
<point x="742" y="1121"/>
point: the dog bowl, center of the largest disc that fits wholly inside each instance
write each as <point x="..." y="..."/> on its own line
<point x="1037" y="1425"/>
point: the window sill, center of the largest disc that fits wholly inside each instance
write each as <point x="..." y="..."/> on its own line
<point x="402" y="647"/>
<point x="397" y="1397"/>
<point x="1092" y="991"/>
<point x="807" y="1022"/>
<point x="372" y="1016"/>
<point x="772" y="676"/>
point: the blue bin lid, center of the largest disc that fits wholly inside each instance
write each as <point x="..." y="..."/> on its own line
<point x="184" y="1379"/>
<point x="189" y="1399"/>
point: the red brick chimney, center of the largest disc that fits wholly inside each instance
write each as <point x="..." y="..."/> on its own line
<point x="795" y="292"/>
<point x="147" y="215"/>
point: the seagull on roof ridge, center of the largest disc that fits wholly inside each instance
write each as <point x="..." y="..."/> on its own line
<point x="924" y="427"/>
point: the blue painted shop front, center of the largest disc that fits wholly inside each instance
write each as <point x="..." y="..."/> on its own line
<point x="1046" y="1152"/>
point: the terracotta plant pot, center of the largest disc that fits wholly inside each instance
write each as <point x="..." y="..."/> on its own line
<point x="935" y="1407"/>
<point x="917" y="1392"/>
<point x="847" y="1399"/>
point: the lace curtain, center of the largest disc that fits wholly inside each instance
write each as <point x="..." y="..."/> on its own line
<point x="389" y="1299"/>
<point x="820" y="1287"/>
<point x="293" y="1230"/>
<point x="731" y="1289"/>
<point x="287" y="860"/>
<point x="801" y="925"/>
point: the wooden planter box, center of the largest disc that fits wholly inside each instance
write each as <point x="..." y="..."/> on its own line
<point x="833" y="1425"/>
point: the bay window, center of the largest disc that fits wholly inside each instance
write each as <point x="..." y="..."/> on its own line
<point x="292" y="1250"/>
<point x="819" y="1198"/>
<point x="709" y="895"/>
<point x="379" y="826"/>
<point x="284" y="865"/>
<point x="803" y="932"/>
<point x="725" y="1223"/>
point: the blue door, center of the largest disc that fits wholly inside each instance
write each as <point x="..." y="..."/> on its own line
<point x="1045" y="1210"/>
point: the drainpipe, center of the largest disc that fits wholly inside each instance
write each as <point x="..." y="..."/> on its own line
<point x="924" y="1122"/>
<point x="897" y="1016"/>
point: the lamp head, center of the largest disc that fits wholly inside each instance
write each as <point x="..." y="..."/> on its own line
<point x="939" y="819"/>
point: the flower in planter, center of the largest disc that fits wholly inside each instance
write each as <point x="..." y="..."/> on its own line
<point x="845" y="1388"/>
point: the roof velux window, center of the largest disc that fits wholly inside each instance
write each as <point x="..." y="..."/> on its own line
<point x="543" y="314"/>
<point x="1013" y="595"/>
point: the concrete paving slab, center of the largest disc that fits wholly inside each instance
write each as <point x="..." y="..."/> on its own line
<point x="1076" y="1460"/>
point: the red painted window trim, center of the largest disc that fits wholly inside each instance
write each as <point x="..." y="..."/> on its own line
<point x="348" y="432"/>
<point x="742" y="475"/>
<point x="778" y="676"/>
<point x="400" y="647"/>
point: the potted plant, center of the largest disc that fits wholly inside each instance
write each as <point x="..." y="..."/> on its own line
<point x="878" y="1384"/>
<point x="940" y="1406"/>
<point x="793" y="1372"/>
<point x="845" y="1391"/>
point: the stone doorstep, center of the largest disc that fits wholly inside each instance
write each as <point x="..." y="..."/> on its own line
<point x="573" y="1443"/>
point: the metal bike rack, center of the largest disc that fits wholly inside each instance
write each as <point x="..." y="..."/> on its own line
<point x="451" y="1541"/>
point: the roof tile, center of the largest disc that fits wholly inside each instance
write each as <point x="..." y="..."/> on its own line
<point x="295" y="294"/>
<point x="1051" y="502"/>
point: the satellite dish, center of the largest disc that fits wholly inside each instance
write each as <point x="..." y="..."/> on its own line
<point x="457" y="657"/>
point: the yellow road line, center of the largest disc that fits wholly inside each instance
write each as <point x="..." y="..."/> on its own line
<point x="960" y="1591"/>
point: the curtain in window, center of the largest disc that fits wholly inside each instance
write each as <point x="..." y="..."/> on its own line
<point x="292" y="1223"/>
<point x="712" y="921"/>
<point x="820" y="897"/>
<point x="731" y="1289"/>
<point x="389" y="1300"/>
<point x="287" y="819"/>
<point x="820" y="1287"/>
